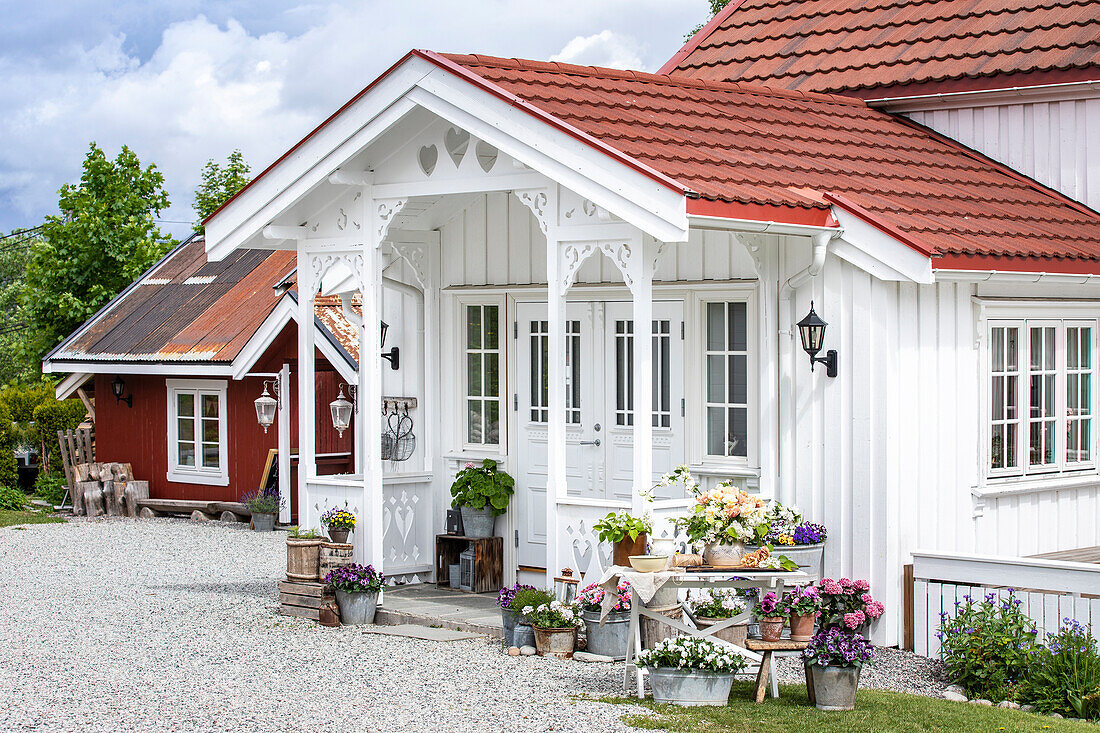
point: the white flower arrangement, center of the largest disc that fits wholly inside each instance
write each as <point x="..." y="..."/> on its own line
<point x="689" y="652"/>
<point x="553" y="615"/>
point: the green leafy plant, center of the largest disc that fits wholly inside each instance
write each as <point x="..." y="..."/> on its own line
<point x="988" y="645"/>
<point x="1064" y="676"/>
<point x="478" y="487"/>
<point x="50" y="485"/>
<point x="219" y="183"/>
<point x="530" y="597"/>
<point x="12" y="499"/>
<point x="298" y="533"/>
<point x="617" y="527"/>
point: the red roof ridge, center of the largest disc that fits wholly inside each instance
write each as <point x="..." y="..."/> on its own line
<point x="676" y="80"/>
<point x="701" y="35"/>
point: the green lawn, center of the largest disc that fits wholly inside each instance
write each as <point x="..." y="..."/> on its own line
<point x="10" y="518"/>
<point x="875" y="711"/>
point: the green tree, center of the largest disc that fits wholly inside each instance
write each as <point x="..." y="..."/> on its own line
<point x="16" y="367"/>
<point x="716" y="6"/>
<point x="219" y="183"/>
<point x="103" y="239"/>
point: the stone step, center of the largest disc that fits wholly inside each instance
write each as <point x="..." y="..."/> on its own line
<point x="393" y="617"/>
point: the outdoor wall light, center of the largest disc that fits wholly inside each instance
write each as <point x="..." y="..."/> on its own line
<point x="342" y="409"/>
<point x="393" y="356"/>
<point x="266" y="404"/>
<point x="117" y="388"/>
<point x="812" y="330"/>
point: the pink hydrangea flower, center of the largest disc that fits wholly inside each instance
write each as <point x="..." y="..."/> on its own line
<point x="854" y="620"/>
<point x="846" y="584"/>
<point x="866" y="598"/>
<point x="831" y="587"/>
<point x="875" y="609"/>
<point x="863" y="585"/>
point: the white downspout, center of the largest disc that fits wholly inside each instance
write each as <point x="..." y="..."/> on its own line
<point x="785" y="373"/>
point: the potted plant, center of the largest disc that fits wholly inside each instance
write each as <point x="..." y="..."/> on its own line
<point x="723" y="520"/>
<point x="357" y="589"/>
<point x="848" y="604"/>
<point x="607" y="636"/>
<point x="303" y="554"/>
<point x="834" y="658"/>
<point x="801" y="606"/>
<point x="688" y="670"/>
<point x="339" y="523"/>
<point x="509" y="614"/>
<point x="555" y="628"/>
<point x="801" y="541"/>
<point x="482" y="494"/>
<point x="264" y="505"/>
<point x="709" y="607"/>
<point x="770" y="617"/>
<point x="627" y="535"/>
<point x="527" y="597"/>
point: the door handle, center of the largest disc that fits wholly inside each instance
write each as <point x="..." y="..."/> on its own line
<point x="595" y="442"/>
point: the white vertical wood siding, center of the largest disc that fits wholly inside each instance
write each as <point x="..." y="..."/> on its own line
<point x="1057" y="143"/>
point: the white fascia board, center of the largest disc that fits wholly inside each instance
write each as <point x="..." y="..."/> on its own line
<point x="754" y="226"/>
<point x="629" y="194"/>
<point x="182" y="368"/>
<point x="70" y="384"/>
<point x="1070" y="91"/>
<point x="313" y="161"/>
<point x="877" y="253"/>
<point x="336" y="358"/>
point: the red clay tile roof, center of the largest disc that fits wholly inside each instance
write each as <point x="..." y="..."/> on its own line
<point x="801" y="152"/>
<point x="837" y="45"/>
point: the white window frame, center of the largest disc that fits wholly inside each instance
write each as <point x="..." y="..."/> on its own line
<point x="460" y="374"/>
<point x="695" y="349"/>
<point x="1024" y="317"/>
<point x="198" y="474"/>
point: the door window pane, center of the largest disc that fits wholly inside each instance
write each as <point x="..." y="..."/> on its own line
<point x="540" y="371"/>
<point x="661" y="378"/>
<point x="727" y="379"/>
<point x="482" y="374"/>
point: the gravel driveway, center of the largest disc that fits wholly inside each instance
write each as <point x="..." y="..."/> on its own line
<point x="131" y="625"/>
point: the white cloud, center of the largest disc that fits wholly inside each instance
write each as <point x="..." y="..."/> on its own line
<point x="209" y="87"/>
<point x="602" y="49"/>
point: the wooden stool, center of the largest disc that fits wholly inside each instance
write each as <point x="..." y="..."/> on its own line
<point x="767" y="648"/>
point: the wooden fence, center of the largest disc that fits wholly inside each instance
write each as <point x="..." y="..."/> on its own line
<point x="1049" y="590"/>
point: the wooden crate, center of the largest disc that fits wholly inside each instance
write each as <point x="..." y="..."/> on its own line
<point x="488" y="560"/>
<point x="304" y="600"/>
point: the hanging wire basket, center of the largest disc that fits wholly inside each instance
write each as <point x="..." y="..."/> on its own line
<point x="399" y="431"/>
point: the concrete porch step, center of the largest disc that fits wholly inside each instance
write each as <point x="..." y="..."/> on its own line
<point x="392" y="617"/>
<point x="426" y="604"/>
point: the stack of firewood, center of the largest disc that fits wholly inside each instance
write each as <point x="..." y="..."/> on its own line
<point x="106" y="489"/>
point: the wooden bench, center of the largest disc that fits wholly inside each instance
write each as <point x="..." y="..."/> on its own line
<point x="766" y="649"/>
<point x="227" y="511"/>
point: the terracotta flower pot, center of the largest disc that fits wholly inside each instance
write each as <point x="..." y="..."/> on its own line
<point x="558" y="643"/>
<point x="802" y="626"/>
<point x="626" y="547"/>
<point x="771" y="629"/>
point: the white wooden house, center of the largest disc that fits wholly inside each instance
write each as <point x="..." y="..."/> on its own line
<point x="536" y="212"/>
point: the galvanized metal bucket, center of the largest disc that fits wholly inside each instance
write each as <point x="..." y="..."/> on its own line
<point x="477" y="522"/>
<point x="356" y="608"/>
<point x="523" y="635"/>
<point x="690" y="687"/>
<point x="835" y="687"/>
<point x="509" y="619"/>
<point x="610" y="637"/>
<point x="263" y="522"/>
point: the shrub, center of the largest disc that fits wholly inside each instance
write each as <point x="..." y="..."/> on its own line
<point x="478" y="487"/>
<point x="12" y="499"/>
<point x="51" y="486"/>
<point x="528" y="596"/>
<point x="988" y="646"/>
<point x="1064" y="676"/>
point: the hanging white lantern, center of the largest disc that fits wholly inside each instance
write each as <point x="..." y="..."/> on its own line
<point x="341" y="412"/>
<point x="265" y="409"/>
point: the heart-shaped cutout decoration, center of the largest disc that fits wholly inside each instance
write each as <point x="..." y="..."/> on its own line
<point x="428" y="156"/>
<point x="486" y="156"/>
<point x="456" y="142"/>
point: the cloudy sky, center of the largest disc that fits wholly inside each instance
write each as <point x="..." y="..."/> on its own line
<point x="182" y="81"/>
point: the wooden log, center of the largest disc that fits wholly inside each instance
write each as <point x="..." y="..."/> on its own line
<point x="230" y="506"/>
<point x="134" y="491"/>
<point x="92" y="491"/>
<point x="147" y="513"/>
<point x="112" y="497"/>
<point x="197" y="516"/>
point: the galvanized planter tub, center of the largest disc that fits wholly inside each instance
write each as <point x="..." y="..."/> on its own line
<point x="558" y="643"/>
<point x="692" y="687"/>
<point x="810" y="558"/>
<point x="477" y="522"/>
<point x="356" y="608"/>
<point x="263" y="522"/>
<point x="523" y="635"/>
<point x="610" y="637"/>
<point x="509" y="619"/>
<point x="835" y="687"/>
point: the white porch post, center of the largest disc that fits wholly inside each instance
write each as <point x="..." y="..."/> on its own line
<point x="284" y="442"/>
<point x="306" y="392"/>
<point x="555" y="434"/>
<point x="642" y="292"/>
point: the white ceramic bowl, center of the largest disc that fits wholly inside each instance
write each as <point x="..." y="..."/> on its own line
<point x="648" y="563"/>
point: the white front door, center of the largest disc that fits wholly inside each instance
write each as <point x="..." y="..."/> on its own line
<point x="599" y="406"/>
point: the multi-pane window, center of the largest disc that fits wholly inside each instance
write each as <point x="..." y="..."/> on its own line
<point x="196" y="431"/>
<point x="1041" y="408"/>
<point x="482" y="374"/>
<point x="540" y="371"/>
<point x="624" y="373"/>
<point x="727" y="400"/>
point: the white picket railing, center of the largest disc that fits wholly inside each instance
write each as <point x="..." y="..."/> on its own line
<point x="1049" y="590"/>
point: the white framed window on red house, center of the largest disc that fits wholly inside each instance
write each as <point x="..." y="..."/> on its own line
<point x="197" y="430"/>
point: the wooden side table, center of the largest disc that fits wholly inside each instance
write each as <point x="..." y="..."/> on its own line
<point x="767" y="648"/>
<point x="488" y="560"/>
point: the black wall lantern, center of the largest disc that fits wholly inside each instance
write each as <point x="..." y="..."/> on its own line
<point x="812" y="330"/>
<point x="393" y="356"/>
<point x="117" y="388"/>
